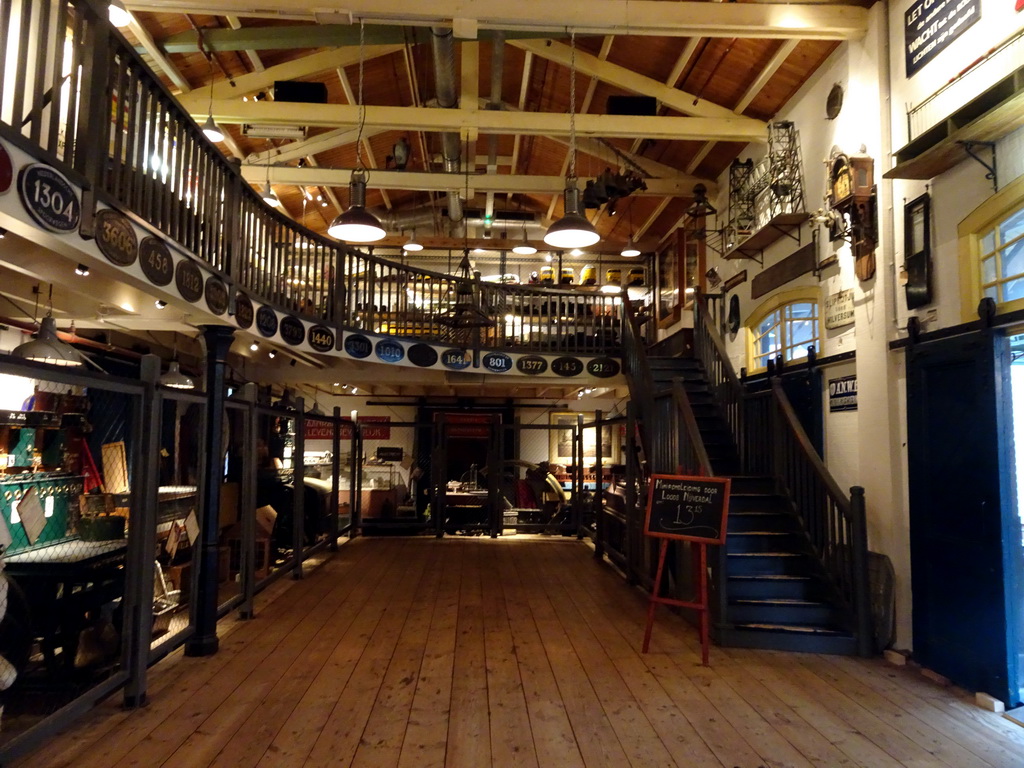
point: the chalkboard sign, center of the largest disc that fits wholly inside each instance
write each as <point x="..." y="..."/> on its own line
<point x="687" y="508"/>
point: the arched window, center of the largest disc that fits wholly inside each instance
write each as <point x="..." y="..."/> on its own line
<point x="787" y="324"/>
<point x="992" y="251"/>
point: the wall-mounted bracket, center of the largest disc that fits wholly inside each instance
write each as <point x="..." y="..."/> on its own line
<point x="991" y="174"/>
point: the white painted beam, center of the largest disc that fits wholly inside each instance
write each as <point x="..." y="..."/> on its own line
<point x="291" y="70"/>
<point x="734" y="128"/>
<point x="600" y="17"/>
<point x="441" y="182"/>
<point x="619" y="76"/>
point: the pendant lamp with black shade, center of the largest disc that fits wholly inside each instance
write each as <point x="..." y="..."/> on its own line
<point x="573" y="230"/>
<point x="356" y="224"/>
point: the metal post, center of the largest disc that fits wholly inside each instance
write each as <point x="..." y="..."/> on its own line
<point x="298" y="489"/>
<point x="247" y="499"/>
<point x="217" y="340"/>
<point x="630" y="543"/>
<point x="336" y="483"/>
<point x="598" y="505"/>
<point x="497" y="515"/>
<point x="357" y="479"/>
<point x="354" y="485"/>
<point x="138" y="600"/>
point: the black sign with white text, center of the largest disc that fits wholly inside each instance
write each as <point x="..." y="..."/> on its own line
<point x="929" y="26"/>
<point x="842" y="394"/>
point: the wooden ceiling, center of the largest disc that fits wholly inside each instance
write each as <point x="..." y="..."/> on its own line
<point x="718" y="70"/>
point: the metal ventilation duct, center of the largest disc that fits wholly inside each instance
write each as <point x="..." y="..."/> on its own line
<point x="443" y="47"/>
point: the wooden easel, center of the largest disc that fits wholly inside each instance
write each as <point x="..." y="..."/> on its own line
<point x="686" y="508"/>
<point x="700" y="605"/>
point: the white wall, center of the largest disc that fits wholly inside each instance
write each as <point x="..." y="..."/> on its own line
<point x="998" y="21"/>
<point x="864" y="447"/>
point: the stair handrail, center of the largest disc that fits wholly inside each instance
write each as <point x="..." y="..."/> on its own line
<point x="692" y="453"/>
<point x="725" y="385"/>
<point x="836" y="523"/>
<point x="636" y="366"/>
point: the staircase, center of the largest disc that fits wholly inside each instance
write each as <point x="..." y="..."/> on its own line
<point x="777" y="594"/>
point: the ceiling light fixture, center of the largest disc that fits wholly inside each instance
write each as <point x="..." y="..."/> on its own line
<point x="254" y="346"/>
<point x="572" y="230"/>
<point x="82" y="270"/>
<point x="210" y="129"/>
<point x="117" y="14"/>
<point x="160" y="304"/>
<point x="3" y="233"/>
<point x="358" y="225"/>
<point x="272" y="354"/>
<point x="46" y="346"/>
<point x="630" y="249"/>
<point x="413" y="244"/>
<point x="269" y="195"/>
<point x="175" y="379"/>
<point x="524" y="248"/>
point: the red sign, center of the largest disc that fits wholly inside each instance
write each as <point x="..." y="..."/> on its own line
<point x="319" y="430"/>
<point x="468" y="424"/>
<point x="374" y="428"/>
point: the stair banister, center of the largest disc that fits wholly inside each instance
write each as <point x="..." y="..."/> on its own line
<point x="836" y="524"/>
<point x="691" y="444"/>
<point x="725" y="384"/>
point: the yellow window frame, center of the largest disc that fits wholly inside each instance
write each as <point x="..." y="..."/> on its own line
<point x="970" y="232"/>
<point x="778" y="302"/>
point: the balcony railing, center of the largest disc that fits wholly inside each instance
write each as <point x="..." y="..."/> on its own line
<point x="76" y="95"/>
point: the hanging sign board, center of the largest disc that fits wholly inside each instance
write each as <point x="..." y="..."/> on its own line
<point x="929" y="26"/>
<point x="839" y="309"/>
<point x="687" y="508"/>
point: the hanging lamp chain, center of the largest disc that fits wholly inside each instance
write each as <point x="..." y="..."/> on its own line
<point x="361" y="108"/>
<point x="572" y="104"/>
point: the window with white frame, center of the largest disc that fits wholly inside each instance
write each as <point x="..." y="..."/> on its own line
<point x="1001" y="256"/>
<point x="788" y="330"/>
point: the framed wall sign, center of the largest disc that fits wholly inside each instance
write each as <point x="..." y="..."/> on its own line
<point x="918" y="251"/>
<point x="669" y="274"/>
<point x="560" y="440"/>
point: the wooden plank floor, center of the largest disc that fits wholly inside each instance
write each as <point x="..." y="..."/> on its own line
<point x="515" y="652"/>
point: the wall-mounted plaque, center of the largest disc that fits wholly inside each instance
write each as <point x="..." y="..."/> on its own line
<point x="49" y="198"/>
<point x="244" y="314"/>
<point x="292" y="330"/>
<point x="189" y="280"/>
<point x="456" y="359"/>
<point x="155" y="260"/>
<point x="358" y="345"/>
<point x="115" y="237"/>
<point x="532" y="365"/>
<point x="567" y="366"/>
<point x="389" y="351"/>
<point x="321" y="338"/>
<point x="839" y="309"/>
<point x="266" y="321"/>
<point x="216" y="295"/>
<point x="422" y="355"/>
<point x="603" y="367"/>
<point x="498" y="362"/>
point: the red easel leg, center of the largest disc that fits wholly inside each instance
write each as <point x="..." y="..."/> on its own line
<point x="704" y="638"/>
<point x="654" y="594"/>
